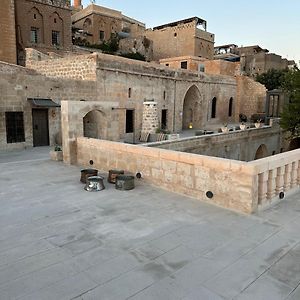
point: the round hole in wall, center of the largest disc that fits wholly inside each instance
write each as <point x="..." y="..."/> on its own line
<point x="138" y="175"/>
<point x="281" y="195"/>
<point x="209" y="195"/>
<point x="91" y="162"/>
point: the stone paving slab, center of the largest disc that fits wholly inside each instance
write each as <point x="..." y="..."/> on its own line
<point x="58" y="241"/>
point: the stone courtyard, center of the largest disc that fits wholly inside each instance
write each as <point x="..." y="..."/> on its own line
<point x="58" y="241"/>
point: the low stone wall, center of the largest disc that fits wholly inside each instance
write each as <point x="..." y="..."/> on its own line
<point x="232" y="183"/>
<point x="277" y="176"/>
<point x="239" y="145"/>
<point x="236" y="185"/>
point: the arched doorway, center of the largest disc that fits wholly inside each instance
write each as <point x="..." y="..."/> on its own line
<point x="93" y="125"/>
<point x="261" y="152"/>
<point x="192" y="109"/>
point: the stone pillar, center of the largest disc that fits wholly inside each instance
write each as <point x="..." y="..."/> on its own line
<point x="262" y="187"/>
<point x="280" y="180"/>
<point x="150" y="117"/>
<point x="294" y="174"/>
<point x="287" y="177"/>
<point x="298" y="177"/>
<point x="68" y="128"/>
<point x="271" y="184"/>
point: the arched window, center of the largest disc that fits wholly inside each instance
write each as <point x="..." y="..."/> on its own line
<point x="230" y="107"/>
<point x="214" y="108"/>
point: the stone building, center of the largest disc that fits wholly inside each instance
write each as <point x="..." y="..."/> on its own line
<point x="181" y="38"/>
<point x="7" y="32"/>
<point x="97" y="24"/>
<point x="254" y="60"/>
<point x="44" y="25"/>
<point x="106" y="96"/>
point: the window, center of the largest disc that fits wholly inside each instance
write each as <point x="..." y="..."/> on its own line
<point x="129" y="120"/>
<point x="55" y="38"/>
<point x="55" y="20"/>
<point x="175" y="34"/>
<point x="101" y="35"/>
<point x="14" y="127"/>
<point x="214" y="108"/>
<point x="34" y="16"/>
<point x="183" y="65"/>
<point x="34" y="35"/>
<point x="165" y="94"/>
<point x="201" y="68"/>
<point x="164" y="114"/>
<point x="230" y="107"/>
<point x="129" y="93"/>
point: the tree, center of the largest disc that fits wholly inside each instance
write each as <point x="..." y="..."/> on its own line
<point x="290" y="118"/>
<point x="272" y="79"/>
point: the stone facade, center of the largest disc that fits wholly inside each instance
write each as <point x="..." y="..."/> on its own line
<point x="44" y="25"/>
<point x="17" y="84"/>
<point x="96" y="24"/>
<point x="150" y="117"/>
<point x="182" y="38"/>
<point x="8" y="33"/>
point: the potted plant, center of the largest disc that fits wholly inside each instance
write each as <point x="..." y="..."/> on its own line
<point x="242" y="126"/>
<point x="258" y="123"/>
<point x="57" y="153"/>
<point x="225" y="128"/>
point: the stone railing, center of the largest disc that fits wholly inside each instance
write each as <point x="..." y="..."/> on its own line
<point x="277" y="175"/>
<point x="232" y="184"/>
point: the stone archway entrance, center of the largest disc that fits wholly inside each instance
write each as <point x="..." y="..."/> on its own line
<point x="191" y="113"/>
<point x="261" y="152"/>
<point x="93" y="125"/>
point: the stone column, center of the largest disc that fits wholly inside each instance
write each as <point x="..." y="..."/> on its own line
<point x="68" y="128"/>
<point x="262" y="187"/>
<point x="280" y="180"/>
<point x="294" y="174"/>
<point x="287" y="177"/>
<point x="150" y="117"/>
<point x="271" y="184"/>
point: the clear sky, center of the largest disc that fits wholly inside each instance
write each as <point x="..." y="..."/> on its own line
<point x="271" y="24"/>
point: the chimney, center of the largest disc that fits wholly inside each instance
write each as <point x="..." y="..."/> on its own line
<point x="77" y="4"/>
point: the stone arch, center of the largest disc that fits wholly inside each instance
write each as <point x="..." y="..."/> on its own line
<point x="94" y="125"/>
<point x="36" y="21"/>
<point x="57" y="24"/>
<point x="191" y="112"/>
<point x="87" y="24"/>
<point x="261" y="152"/>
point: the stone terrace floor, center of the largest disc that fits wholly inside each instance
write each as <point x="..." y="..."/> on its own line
<point x="59" y="242"/>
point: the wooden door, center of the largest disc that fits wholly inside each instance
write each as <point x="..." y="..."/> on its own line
<point x="40" y="127"/>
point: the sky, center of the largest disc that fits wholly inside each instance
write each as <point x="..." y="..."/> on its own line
<point x="271" y="24"/>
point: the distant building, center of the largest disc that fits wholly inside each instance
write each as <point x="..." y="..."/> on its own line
<point x="188" y="37"/>
<point x="254" y="60"/>
<point x="7" y="32"/>
<point x="97" y="24"/>
<point x="44" y="25"/>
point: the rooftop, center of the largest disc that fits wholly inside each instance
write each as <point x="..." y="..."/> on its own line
<point x="61" y="242"/>
<point x="198" y="21"/>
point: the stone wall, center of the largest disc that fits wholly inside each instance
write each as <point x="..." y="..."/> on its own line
<point x="239" y="145"/>
<point x="45" y="16"/>
<point x="231" y="182"/>
<point x="222" y="67"/>
<point x="81" y="67"/>
<point x="8" y="52"/>
<point x="251" y="96"/>
<point x="240" y="186"/>
<point x="181" y="40"/>
<point x="17" y="84"/>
